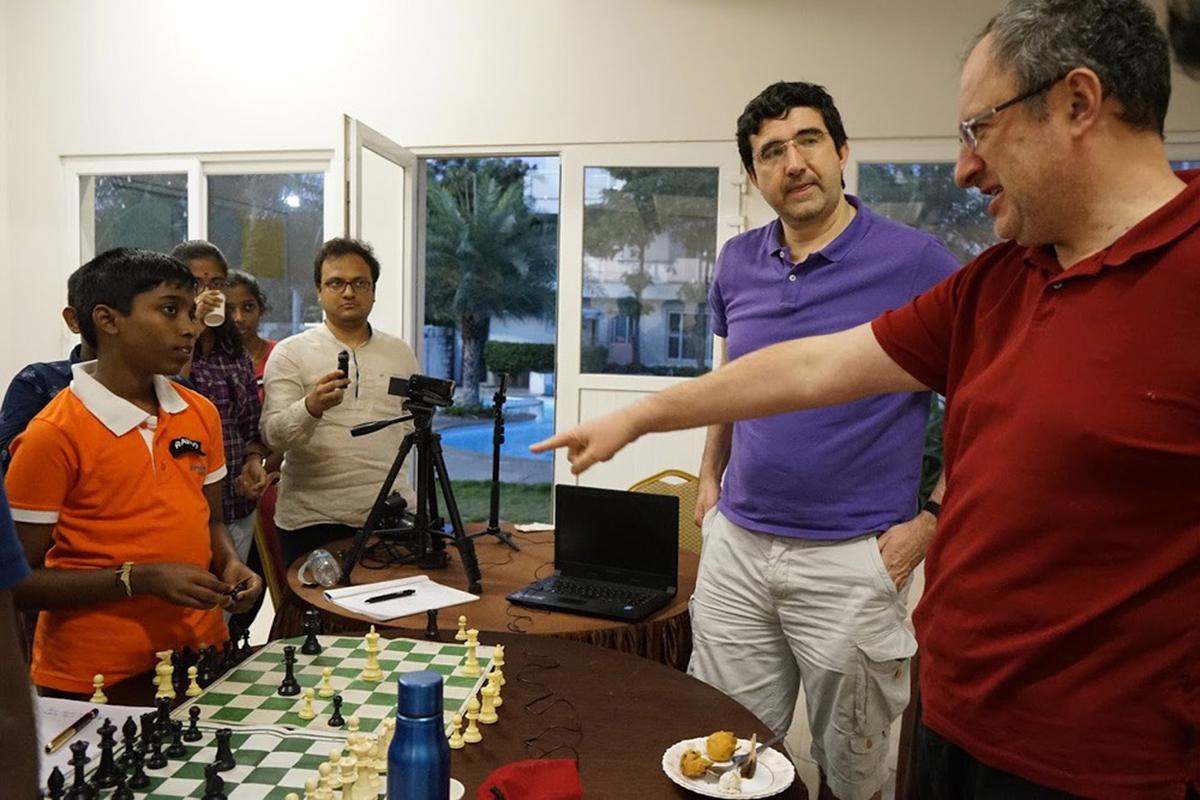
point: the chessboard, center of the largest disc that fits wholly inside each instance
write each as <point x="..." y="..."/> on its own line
<point x="248" y="694"/>
<point x="270" y="765"/>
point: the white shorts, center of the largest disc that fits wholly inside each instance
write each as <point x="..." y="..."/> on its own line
<point x="769" y="612"/>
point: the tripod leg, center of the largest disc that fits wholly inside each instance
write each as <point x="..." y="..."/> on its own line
<point x="372" y="522"/>
<point x="466" y="547"/>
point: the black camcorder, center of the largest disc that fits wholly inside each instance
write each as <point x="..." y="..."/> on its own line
<point x="424" y="390"/>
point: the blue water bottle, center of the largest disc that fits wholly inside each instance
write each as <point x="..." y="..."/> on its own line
<point x="419" y="756"/>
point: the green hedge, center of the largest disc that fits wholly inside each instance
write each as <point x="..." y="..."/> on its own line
<point x="517" y="357"/>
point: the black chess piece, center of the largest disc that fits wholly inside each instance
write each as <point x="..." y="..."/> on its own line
<point x="214" y="784"/>
<point x="56" y="784"/>
<point x="312" y="624"/>
<point x="179" y="671"/>
<point x="122" y="790"/>
<point x="129" y="733"/>
<point x="192" y="734"/>
<point x="290" y="686"/>
<point x="149" y="725"/>
<point x="335" y="719"/>
<point x="138" y="779"/>
<point x="106" y="773"/>
<point x="157" y="759"/>
<point x="244" y="650"/>
<point x="224" y="760"/>
<point x="176" y="749"/>
<point x="79" y="787"/>
<point x="162" y="720"/>
<point x="207" y="668"/>
<point x="431" y="628"/>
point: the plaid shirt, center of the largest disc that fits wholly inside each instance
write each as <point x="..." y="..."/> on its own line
<point x="228" y="381"/>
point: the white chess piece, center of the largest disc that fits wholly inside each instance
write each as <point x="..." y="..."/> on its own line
<point x="471" y="668"/>
<point x="193" y="689"/>
<point x="494" y="682"/>
<point x="372" y="672"/>
<point x="472" y="734"/>
<point x="335" y="758"/>
<point x="498" y="662"/>
<point x="487" y="713"/>
<point x="456" y="739"/>
<point x="348" y="772"/>
<point x="163" y="671"/>
<point x="327" y="682"/>
<point x="98" y="696"/>
<point x="306" y="710"/>
<point x="310" y="789"/>
<point x="461" y="636"/>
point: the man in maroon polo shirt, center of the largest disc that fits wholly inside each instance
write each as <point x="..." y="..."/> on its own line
<point x="1060" y="628"/>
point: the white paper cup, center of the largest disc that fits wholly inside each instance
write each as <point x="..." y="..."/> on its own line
<point x="216" y="317"/>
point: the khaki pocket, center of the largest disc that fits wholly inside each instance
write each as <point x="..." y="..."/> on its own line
<point x="883" y="688"/>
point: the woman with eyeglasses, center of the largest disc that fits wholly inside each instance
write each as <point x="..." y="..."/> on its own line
<point x="247" y="303"/>
<point x="222" y="371"/>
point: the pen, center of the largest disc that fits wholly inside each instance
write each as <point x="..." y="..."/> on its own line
<point x="69" y="733"/>
<point x="379" y="598"/>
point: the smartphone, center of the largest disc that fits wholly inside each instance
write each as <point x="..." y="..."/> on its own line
<point x="344" y="363"/>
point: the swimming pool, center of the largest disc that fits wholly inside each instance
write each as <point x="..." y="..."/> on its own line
<point x="517" y="435"/>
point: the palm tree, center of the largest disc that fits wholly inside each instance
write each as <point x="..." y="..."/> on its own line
<point x="487" y="256"/>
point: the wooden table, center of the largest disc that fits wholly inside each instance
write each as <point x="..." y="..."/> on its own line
<point x="616" y="713"/>
<point x="665" y="637"/>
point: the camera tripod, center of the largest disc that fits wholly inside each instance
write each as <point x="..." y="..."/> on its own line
<point x="428" y="552"/>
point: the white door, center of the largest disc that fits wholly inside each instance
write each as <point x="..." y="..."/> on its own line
<point x="645" y="333"/>
<point x="382" y="181"/>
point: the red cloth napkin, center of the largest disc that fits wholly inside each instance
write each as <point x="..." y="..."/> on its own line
<point x="536" y="779"/>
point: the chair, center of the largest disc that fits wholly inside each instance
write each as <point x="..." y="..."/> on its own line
<point x="266" y="540"/>
<point x="686" y="487"/>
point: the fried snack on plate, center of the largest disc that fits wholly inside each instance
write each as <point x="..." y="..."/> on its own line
<point x="693" y="763"/>
<point x="720" y="745"/>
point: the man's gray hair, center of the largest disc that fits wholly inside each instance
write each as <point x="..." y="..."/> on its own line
<point x="1119" y="40"/>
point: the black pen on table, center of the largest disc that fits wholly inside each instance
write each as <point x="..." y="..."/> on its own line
<point x="66" y="736"/>
<point x="379" y="598"/>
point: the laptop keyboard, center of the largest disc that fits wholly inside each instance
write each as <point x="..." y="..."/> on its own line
<point x="591" y="591"/>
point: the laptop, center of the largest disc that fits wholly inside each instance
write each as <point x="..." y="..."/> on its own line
<point x="616" y="554"/>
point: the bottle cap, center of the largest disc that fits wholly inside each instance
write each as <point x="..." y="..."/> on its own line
<point x="420" y="694"/>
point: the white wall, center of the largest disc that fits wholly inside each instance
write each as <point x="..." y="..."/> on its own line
<point x="167" y="76"/>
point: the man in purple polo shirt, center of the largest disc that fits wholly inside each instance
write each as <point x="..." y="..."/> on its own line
<point x="793" y="585"/>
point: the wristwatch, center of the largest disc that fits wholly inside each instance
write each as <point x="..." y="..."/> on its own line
<point x="933" y="507"/>
<point x="123" y="577"/>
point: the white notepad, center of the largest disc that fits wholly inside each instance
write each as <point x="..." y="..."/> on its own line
<point x="426" y="595"/>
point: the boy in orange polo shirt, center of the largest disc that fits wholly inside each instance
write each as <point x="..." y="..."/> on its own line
<point x="115" y="489"/>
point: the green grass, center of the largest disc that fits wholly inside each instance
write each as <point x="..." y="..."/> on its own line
<point x="519" y="502"/>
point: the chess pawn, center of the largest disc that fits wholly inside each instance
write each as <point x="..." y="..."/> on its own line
<point x="306" y="710"/>
<point x="461" y="636"/>
<point x="472" y="734"/>
<point x="487" y="713"/>
<point x="335" y="758"/>
<point x="456" y="739"/>
<point x="193" y="689"/>
<point x="326" y="682"/>
<point x="494" y="682"/>
<point x="352" y="725"/>
<point x="329" y="779"/>
<point x="310" y="789"/>
<point x="98" y="695"/>
<point x="498" y="662"/>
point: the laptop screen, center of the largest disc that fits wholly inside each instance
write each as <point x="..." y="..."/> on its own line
<point x="627" y="537"/>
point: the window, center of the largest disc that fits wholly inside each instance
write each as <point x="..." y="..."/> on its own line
<point x="270" y="225"/>
<point x="923" y="194"/>
<point x="649" y="240"/>
<point x="148" y="210"/>
<point x="687" y="336"/>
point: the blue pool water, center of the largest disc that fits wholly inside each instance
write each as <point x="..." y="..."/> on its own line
<point x="517" y="435"/>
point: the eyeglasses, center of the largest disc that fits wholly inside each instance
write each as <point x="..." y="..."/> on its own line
<point x="337" y="285"/>
<point x="211" y="283"/>
<point x="968" y="132"/>
<point x="805" y="141"/>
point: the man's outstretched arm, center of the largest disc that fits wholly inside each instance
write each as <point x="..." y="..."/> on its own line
<point x="802" y="373"/>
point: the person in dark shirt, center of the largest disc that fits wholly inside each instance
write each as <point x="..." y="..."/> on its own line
<point x="38" y="383"/>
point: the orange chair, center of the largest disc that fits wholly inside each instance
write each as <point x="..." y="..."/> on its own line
<point x="686" y="487"/>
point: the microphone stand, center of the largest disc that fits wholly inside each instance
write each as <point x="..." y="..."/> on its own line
<point x="493" y="528"/>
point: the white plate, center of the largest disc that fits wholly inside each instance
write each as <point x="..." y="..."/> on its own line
<point x="774" y="774"/>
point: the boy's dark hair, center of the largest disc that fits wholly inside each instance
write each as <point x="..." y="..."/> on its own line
<point x="239" y="278"/>
<point x="198" y="248"/>
<point x="775" y="102"/>
<point x="115" y="277"/>
<point x="341" y="246"/>
<point x="1183" y="28"/>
